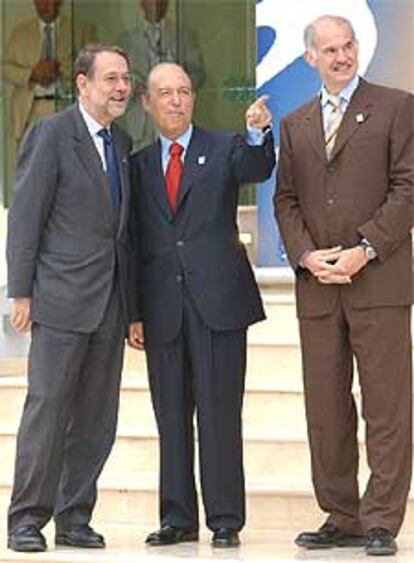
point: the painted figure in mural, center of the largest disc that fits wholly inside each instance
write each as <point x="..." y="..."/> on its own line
<point x="38" y="63"/>
<point x="155" y="39"/>
<point x="199" y="297"/>
<point x="66" y="276"/>
<point x="344" y="206"/>
<point x="37" y="66"/>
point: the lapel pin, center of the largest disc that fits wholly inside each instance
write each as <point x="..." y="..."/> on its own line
<point x="201" y="160"/>
<point x="360" y="117"/>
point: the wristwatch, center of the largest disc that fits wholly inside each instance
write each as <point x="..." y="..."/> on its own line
<point x="368" y="249"/>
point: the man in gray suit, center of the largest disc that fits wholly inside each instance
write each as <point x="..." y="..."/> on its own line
<point x="65" y="251"/>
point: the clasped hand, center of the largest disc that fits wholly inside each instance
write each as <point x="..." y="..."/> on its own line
<point x="335" y="265"/>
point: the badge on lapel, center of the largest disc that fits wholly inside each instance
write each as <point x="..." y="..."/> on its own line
<point x="201" y="160"/>
<point x="360" y="118"/>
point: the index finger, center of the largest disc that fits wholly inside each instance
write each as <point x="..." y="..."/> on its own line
<point x="261" y="101"/>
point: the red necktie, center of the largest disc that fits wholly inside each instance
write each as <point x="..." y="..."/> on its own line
<point x="173" y="174"/>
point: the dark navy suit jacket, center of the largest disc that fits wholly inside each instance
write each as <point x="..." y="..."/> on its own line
<point x="197" y="249"/>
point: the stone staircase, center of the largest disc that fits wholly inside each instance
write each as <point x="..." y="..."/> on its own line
<point x="280" y="496"/>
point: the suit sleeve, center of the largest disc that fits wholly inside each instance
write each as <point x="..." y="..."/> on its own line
<point x="34" y="191"/>
<point x="14" y="70"/>
<point x="394" y="220"/>
<point x="252" y="163"/>
<point x="134" y="254"/>
<point x="295" y="234"/>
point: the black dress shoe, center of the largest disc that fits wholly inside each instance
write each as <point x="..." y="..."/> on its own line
<point x="79" y="536"/>
<point x="225" y="537"/>
<point x="168" y="535"/>
<point x="380" y="542"/>
<point x="329" y="536"/>
<point x="26" y="538"/>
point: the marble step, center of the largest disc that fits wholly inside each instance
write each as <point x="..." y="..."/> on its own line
<point x="265" y="408"/>
<point x="274" y="454"/>
<point x="280" y="310"/>
<point x="271" y="505"/>
<point x="264" y="456"/>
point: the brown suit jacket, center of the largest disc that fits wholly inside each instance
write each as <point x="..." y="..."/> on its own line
<point x="365" y="190"/>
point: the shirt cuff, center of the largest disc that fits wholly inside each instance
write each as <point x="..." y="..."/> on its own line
<point x="255" y="136"/>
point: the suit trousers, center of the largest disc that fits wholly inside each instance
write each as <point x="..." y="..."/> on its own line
<point x="379" y="340"/>
<point x="69" y="421"/>
<point x="200" y="371"/>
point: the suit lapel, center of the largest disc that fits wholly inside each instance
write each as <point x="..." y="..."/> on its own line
<point x="357" y="113"/>
<point x="314" y="129"/>
<point x="35" y="41"/>
<point x="195" y="158"/>
<point x="122" y="153"/>
<point x="91" y="162"/>
<point x="156" y="179"/>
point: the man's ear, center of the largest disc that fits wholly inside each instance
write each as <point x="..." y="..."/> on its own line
<point x="145" y="102"/>
<point x="81" y="82"/>
<point x="310" y="57"/>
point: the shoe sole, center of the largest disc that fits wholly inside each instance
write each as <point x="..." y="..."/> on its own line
<point x="340" y="545"/>
<point x="29" y="548"/>
<point x="381" y="551"/>
<point x="223" y="544"/>
<point x="69" y="543"/>
<point x="161" y="543"/>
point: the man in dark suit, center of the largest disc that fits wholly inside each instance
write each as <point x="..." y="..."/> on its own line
<point x="65" y="251"/>
<point x="344" y="205"/>
<point x="199" y="296"/>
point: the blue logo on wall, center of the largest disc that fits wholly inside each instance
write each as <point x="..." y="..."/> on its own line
<point x="282" y="73"/>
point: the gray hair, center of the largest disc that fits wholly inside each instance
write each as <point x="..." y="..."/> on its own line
<point x="310" y="31"/>
<point x="85" y="61"/>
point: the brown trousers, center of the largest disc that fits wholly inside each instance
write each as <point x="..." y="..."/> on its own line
<point x="379" y="339"/>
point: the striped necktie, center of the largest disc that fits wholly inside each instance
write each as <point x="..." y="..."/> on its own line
<point x="332" y="123"/>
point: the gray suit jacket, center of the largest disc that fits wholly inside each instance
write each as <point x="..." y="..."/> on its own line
<point x="64" y="241"/>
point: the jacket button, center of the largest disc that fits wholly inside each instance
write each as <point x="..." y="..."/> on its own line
<point x="180" y="243"/>
<point x="179" y="278"/>
<point x="331" y="201"/>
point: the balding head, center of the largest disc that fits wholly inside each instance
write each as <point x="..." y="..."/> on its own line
<point x="331" y="48"/>
<point x="169" y="99"/>
<point x="163" y="72"/>
<point x="311" y="30"/>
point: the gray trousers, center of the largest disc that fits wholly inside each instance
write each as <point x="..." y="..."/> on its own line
<point x="68" y="423"/>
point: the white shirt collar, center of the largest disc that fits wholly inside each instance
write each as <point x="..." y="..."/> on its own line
<point x="93" y="126"/>
<point x="53" y="24"/>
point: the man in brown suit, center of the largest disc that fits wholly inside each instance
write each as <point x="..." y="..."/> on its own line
<point x="344" y="204"/>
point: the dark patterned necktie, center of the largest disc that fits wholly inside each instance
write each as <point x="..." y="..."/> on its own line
<point x="111" y="167"/>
